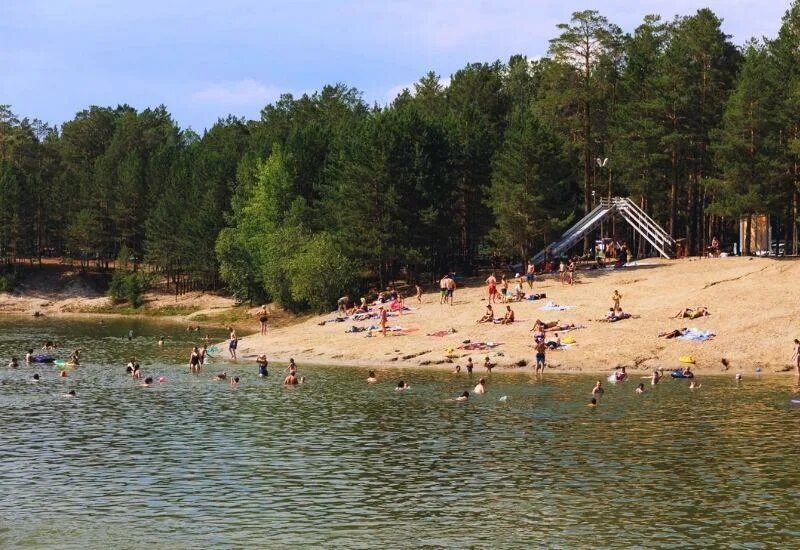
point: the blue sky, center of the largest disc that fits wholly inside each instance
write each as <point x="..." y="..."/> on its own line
<point x="204" y="59"/>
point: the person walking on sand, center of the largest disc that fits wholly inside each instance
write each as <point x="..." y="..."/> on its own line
<point x="796" y="356"/>
<point x="233" y="342"/>
<point x="263" y="318"/>
<point x="491" y="287"/>
<point x="443" y="290"/>
<point x="419" y="293"/>
<point x="571" y="272"/>
<point x="562" y="272"/>
<point x="384" y="320"/>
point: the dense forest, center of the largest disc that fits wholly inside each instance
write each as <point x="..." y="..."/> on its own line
<point x="326" y="193"/>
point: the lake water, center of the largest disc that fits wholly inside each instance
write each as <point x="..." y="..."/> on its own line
<point x="337" y="462"/>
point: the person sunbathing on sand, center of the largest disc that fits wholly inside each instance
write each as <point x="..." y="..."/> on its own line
<point x="508" y="318"/>
<point x="673" y="333"/>
<point x="692" y="313"/>
<point x="541" y="326"/>
<point x="488" y="317"/>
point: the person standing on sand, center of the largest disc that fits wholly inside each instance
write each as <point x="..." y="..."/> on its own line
<point x="384" y="320"/>
<point x="419" y="293"/>
<point x="571" y="272"/>
<point x="562" y="272"/>
<point x="469" y="366"/>
<point x="540" y="348"/>
<point x="796" y="356"/>
<point x="530" y="274"/>
<point x="615" y="298"/>
<point x="443" y="290"/>
<point x="233" y="342"/>
<point x="451" y="289"/>
<point x="262" y="318"/>
<point x="491" y="287"/>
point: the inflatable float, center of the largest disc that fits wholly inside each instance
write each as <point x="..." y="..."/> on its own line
<point x="678" y="373"/>
<point x="686" y="359"/>
<point x="43" y="358"/>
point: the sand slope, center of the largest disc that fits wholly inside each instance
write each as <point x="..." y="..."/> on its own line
<point x="754" y="302"/>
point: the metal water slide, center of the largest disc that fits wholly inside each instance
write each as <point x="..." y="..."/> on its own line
<point x="629" y="211"/>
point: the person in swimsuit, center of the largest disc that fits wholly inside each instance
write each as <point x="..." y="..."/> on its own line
<point x="371" y="379"/>
<point x="480" y="387"/>
<point x="592" y="403"/>
<point x="463" y="397"/>
<point x="262" y="363"/>
<point x="220" y="376"/>
<point x="491" y="285"/>
<point x="35" y="377"/>
<point x="262" y="319"/>
<point x="233" y="343"/>
<point x="598" y="388"/>
<point x="796" y="356"/>
<point x="615" y="299"/>
<point x="419" y="293"/>
<point x="443" y="290"/>
<point x="401" y="385"/>
<point x="489" y="366"/>
<point x="194" y="360"/>
<point x="655" y="378"/>
<point x="469" y="366"/>
<point x="554" y="344"/>
<point x="508" y="318"/>
<point x="235" y="381"/>
<point x="640" y="388"/>
<point x="504" y="287"/>
<point x="540" y="348"/>
<point x="451" y="289"/>
<point x="488" y="317"/>
<point x="384" y="320"/>
<point x="14" y="363"/>
<point x="530" y="275"/>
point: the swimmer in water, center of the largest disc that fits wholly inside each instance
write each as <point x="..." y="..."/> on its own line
<point x="655" y="378"/>
<point x="640" y="388"/>
<point x="738" y="377"/>
<point x="14" y="363"/>
<point x="302" y="380"/>
<point x="130" y="335"/>
<point x="161" y="341"/>
<point x="220" y="376"/>
<point x="194" y="360"/>
<point x="401" y="385"/>
<point x="480" y="387"/>
<point x="598" y="388"/>
<point x="136" y="374"/>
<point x="70" y="393"/>
<point x="35" y="377"/>
<point x="694" y="385"/>
<point x="62" y="374"/>
<point x="235" y="381"/>
<point x="290" y="380"/>
<point x="292" y="367"/>
<point x="29" y="356"/>
<point x="463" y="397"/>
<point x="457" y="369"/>
<point x="262" y="363"/>
<point x="147" y="382"/>
<point x="592" y="403"/>
<point x="371" y="379"/>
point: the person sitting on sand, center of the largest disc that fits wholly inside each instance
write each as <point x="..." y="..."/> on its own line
<point x="508" y="318"/>
<point x="519" y="292"/>
<point x="598" y="388"/>
<point x="488" y="317"/>
<point x="401" y="385"/>
<point x="692" y="313"/>
<point x="463" y="397"/>
<point x="640" y="388"/>
<point x="554" y="344"/>
<point x="371" y="379"/>
<point x="480" y="387"/>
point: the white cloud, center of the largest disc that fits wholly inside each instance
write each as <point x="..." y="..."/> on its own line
<point x="241" y="92"/>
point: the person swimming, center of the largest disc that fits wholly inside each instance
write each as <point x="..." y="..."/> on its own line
<point x="655" y="378"/>
<point x="480" y="387"/>
<point x="221" y="376"/>
<point x="14" y="363"/>
<point x="738" y="377"/>
<point x="457" y="369"/>
<point x="694" y="385"/>
<point x="371" y="378"/>
<point x="161" y="341"/>
<point x="235" y="381"/>
<point x="401" y="385"/>
<point x="29" y="356"/>
<point x="35" y="377"/>
<point x="290" y="380"/>
<point x="302" y="380"/>
<point x="640" y="388"/>
<point x="130" y="335"/>
<point x="62" y="374"/>
<point x="592" y="402"/>
<point x="292" y="367"/>
<point x="147" y="382"/>
<point x="70" y="393"/>
<point x="136" y="374"/>
<point x="463" y="397"/>
<point x="598" y="388"/>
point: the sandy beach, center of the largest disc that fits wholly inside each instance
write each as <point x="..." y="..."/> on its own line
<point x="754" y="305"/>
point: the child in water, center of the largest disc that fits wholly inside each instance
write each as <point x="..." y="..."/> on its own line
<point x="371" y="379"/>
<point x="463" y="397"/>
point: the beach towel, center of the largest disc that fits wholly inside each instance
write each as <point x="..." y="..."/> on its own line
<point x="697" y="335"/>
<point x="480" y="346"/>
<point x="552" y="306"/>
